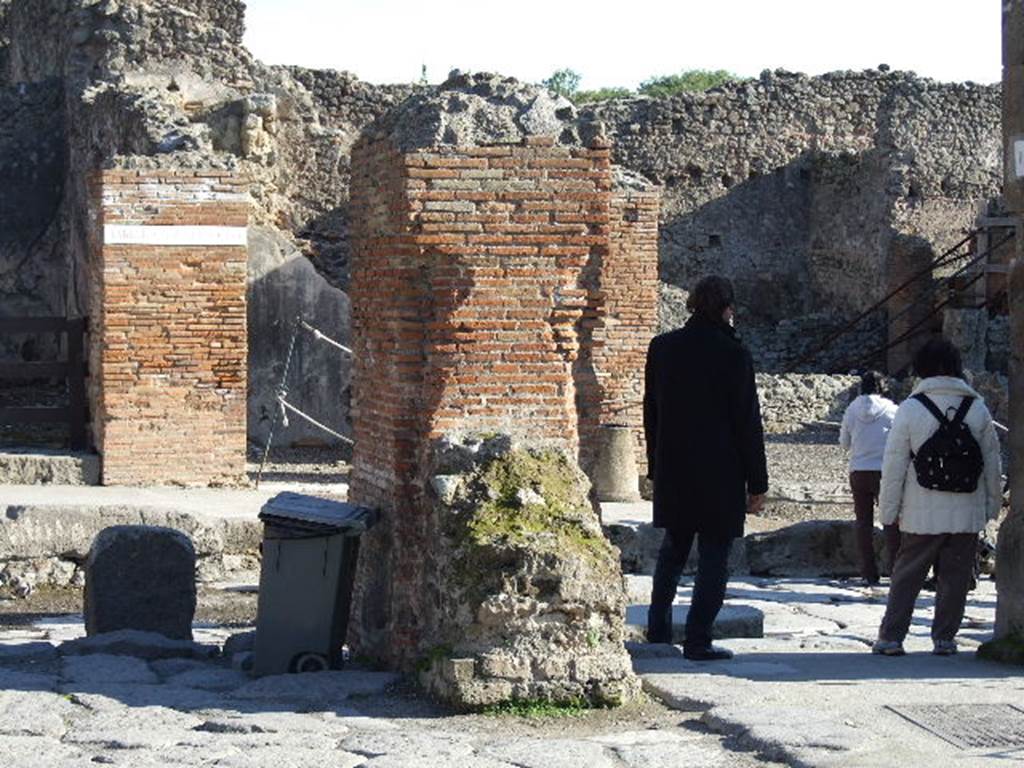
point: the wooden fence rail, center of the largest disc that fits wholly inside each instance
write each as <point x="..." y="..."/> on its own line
<point x="72" y="370"/>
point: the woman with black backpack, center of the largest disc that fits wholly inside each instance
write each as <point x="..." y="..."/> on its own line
<point x="941" y="482"/>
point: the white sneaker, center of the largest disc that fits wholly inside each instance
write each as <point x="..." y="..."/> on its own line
<point x="888" y="647"/>
<point x="944" y="647"/>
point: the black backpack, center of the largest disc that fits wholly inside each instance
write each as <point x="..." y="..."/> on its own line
<point x="950" y="460"/>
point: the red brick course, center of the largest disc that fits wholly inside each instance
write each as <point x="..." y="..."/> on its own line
<point x="168" y="332"/>
<point x="481" y="278"/>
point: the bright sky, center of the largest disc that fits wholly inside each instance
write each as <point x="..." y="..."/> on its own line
<point x="387" y="41"/>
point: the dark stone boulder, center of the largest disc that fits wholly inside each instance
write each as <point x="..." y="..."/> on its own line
<point x="140" y="577"/>
<point x="811" y="548"/>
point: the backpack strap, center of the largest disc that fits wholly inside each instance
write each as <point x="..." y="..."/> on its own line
<point x="961" y="412"/>
<point x="933" y="409"/>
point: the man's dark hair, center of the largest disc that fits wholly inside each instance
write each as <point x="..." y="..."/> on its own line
<point x="871" y="383"/>
<point x="938" y="357"/>
<point x="710" y="297"/>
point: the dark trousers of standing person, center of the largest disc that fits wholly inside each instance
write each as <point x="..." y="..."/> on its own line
<point x="865" y="484"/>
<point x="708" y="587"/>
<point x="953" y="557"/>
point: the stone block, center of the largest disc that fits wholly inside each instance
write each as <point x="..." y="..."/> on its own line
<point x="40" y="467"/>
<point x="732" y="621"/>
<point x="283" y="285"/>
<point x="811" y="548"/>
<point x="639" y="542"/>
<point x="140" y="577"/>
<point x="142" y="645"/>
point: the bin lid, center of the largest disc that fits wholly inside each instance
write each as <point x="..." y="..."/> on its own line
<point x="297" y="510"/>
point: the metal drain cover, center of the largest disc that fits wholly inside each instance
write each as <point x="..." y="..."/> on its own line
<point x="969" y="726"/>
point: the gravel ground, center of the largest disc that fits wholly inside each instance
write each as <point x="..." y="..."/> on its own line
<point x="809" y="477"/>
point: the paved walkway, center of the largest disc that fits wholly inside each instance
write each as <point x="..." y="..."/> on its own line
<point x="807" y="694"/>
<point x="59" y="710"/>
<point x="810" y="693"/>
<point x="210" y="502"/>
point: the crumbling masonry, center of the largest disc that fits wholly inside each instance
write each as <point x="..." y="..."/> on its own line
<point x="800" y="188"/>
<point x="484" y="299"/>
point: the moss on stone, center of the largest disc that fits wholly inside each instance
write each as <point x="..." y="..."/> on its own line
<point x="523" y="495"/>
<point x="519" y="501"/>
<point x="1006" y="650"/>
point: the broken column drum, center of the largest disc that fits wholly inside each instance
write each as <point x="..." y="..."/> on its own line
<point x="481" y="227"/>
<point x="615" y="475"/>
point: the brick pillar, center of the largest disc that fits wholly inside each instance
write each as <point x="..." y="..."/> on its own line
<point x="621" y="319"/>
<point x="168" y="335"/>
<point x="468" y="287"/>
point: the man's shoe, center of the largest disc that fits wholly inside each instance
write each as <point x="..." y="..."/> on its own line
<point x="707" y="653"/>
<point x="659" y="637"/>
<point x="888" y="647"/>
<point x="944" y="647"/>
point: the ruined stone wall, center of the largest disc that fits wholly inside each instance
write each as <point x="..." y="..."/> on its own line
<point x="33" y="277"/>
<point x="168" y="345"/>
<point x="5" y="41"/>
<point x="791" y="401"/>
<point x="85" y="41"/>
<point x="227" y="15"/>
<point x="482" y="250"/>
<point x="795" y="186"/>
<point x="465" y="310"/>
<point x="305" y="190"/>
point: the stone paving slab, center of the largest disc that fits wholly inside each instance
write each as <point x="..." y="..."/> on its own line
<point x="820" y="698"/>
<point x="737" y="619"/>
<point x="808" y="693"/>
<point x="76" y="711"/>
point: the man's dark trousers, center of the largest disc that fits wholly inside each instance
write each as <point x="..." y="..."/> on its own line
<point x="708" y="588"/>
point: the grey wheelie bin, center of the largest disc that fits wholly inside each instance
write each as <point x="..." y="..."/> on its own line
<point x="310" y="547"/>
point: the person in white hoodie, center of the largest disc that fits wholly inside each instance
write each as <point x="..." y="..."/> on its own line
<point x="863" y="433"/>
<point x="939" y="527"/>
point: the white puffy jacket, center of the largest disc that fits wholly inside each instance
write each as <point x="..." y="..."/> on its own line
<point x="865" y="427"/>
<point x="921" y="510"/>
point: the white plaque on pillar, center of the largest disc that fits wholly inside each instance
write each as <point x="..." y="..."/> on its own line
<point x="1018" y="157"/>
<point x="163" y="234"/>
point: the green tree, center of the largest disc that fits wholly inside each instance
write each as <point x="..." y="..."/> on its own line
<point x="602" y="94"/>
<point x="564" y="82"/>
<point x="686" y="81"/>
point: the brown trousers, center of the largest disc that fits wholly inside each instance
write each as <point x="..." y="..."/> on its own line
<point x="865" y="485"/>
<point x="952" y="554"/>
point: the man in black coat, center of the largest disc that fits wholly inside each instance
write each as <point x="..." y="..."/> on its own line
<point x="705" y="454"/>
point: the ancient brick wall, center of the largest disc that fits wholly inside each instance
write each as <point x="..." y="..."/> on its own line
<point x="620" y="320"/>
<point x="168" y="334"/>
<point x="474" y="269"/>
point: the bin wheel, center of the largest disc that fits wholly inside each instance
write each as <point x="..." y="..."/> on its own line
<point x="311" y="662"/>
